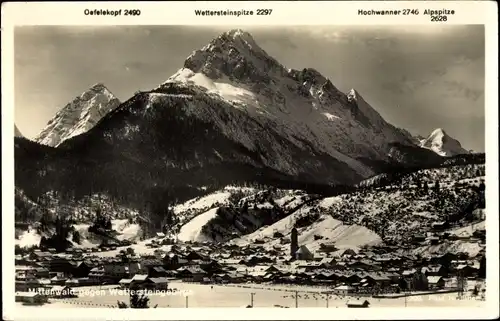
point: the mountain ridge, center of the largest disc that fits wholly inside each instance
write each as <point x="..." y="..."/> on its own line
<point x="79" y="115"/>
<point x="221" y="122"/>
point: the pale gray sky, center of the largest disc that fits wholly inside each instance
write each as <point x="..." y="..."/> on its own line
<point x="417" y="77"/>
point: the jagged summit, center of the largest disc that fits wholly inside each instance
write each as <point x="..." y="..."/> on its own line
<point x="233" y="54"/>
<point x="241" y="34"/>
<point x="438" y="131"/>
<point x="99" y="87"/>
<point x="443" y="144"/>
<point x="77" y="117"/>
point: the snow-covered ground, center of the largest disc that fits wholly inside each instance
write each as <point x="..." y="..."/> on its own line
<point x="191" y="231"/>
<point x="28" y="238"/>
<point x="329" y="229"/>
<point x="125" y="230"/>
<point x="205" y="202"/>
<point x="237" y="296"/>
<point x="471" y="248"/>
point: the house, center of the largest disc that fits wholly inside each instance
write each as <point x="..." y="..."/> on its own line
<point x="158" y="283"/>
<point x="353" y="278"/>
<point x="324" y="276"/>
<point x="414" y="280"/>
<point x="85" y="281"/>
<point x="58" y="280"/>
<point x="444" y="259"/>
<point x="193" y="255"/>
<point x="378" y="279"/>
<point x="358" y="304"/>
<point x="72" y="282"/>
<point x="436" y="282"/>
<point x="39" y="256"/>
<point x="191" y="273"/>
<point x="327" y="247"/>
<point x="435" y="270"/>
<point x="157" y="271"/>
<point x="466" y="270"/>
<point x="303" y="253"/>
<point x="339" y="266"/>
<point x="173" y="261"/>
<point x="439" y="226"/>
<point x="116" y="270"/>
<point x="344" y="290"/>
<point x="30" y="298"/>
<point x="327" y="262"/>
<point x="42" y="273"/>
<point x="81" y="269"/>
<point x="96" y="274"/>
<point x="210" y="267"/>
<point x="362" y="265"/>
<point x="61" y="264"/>
<point x="160" y="235"/>
<point x="348" y="252"/>
<point x="138" y="281"/>
<point x="125" y="283"/>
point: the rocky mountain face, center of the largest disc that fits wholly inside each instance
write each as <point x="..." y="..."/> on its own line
<point x="78" y="116"/>
<point x="302" y="104"/>
<point x="231" y="115"/>
<point x="442" y="144"/>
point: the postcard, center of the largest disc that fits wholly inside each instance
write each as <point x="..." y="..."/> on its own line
<point x="300" y="160"/>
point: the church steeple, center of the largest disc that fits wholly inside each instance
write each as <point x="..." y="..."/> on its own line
<point x="294" y="240"/>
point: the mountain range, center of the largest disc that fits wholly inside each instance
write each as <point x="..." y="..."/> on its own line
<point x="232" y="114"/>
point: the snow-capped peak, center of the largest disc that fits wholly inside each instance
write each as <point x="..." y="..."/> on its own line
<point x="236" y="55"/>
<point x="441" y="143"/>
<point x="351" y="95"/>
<point x="304" y="104"/>
<point x="79" y="115"/>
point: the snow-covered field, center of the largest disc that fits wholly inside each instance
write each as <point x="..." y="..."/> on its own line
<point x="326" y="227"/>
<point x="232" y="296"/>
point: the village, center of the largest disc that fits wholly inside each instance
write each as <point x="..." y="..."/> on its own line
<point x="374" y="272"/>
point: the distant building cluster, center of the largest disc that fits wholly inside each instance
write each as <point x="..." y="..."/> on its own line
<point x="347" y="271"/>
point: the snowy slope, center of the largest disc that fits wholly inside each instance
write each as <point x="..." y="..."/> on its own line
<point x="78" y="116"/>
<point x="330" y="230"/>
<point x="442" y="144"/>
<point x="204" y="202"/>
<point x="303" y="105"/>
<point x="191" y="231"/>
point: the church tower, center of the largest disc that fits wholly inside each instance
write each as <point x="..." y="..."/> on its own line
<point x="294" y="244"/>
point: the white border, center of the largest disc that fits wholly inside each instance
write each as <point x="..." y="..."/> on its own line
<point x="284" y="13"/>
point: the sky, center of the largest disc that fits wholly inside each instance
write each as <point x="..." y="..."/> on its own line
<point x="417" y="77"/>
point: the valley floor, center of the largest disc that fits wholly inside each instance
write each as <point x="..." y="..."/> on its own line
<point x="225" y="296"/>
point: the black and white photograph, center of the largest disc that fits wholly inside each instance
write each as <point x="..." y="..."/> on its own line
<point x="255" y="166"/>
